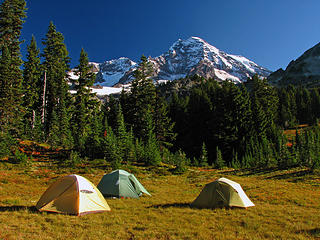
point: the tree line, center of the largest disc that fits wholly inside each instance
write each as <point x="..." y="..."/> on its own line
<point x="208" y="124"/>
<point x="243" y="125"/>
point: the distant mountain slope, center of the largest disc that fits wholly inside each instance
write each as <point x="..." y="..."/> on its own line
<point x="185" y="58"/>
<point x="303" y="71"/>
<point x="110" y="72"/>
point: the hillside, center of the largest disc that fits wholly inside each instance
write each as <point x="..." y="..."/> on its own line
<point x="302" y="71"/>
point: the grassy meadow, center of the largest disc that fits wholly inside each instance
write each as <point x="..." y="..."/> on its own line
<point x="287" y="205"/>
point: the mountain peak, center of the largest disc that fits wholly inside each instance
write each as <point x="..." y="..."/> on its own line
<point x="186" y="57"/>
<point x="197" y="40"/>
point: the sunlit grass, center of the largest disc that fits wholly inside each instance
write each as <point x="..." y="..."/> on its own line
<point x="287" y="207"/>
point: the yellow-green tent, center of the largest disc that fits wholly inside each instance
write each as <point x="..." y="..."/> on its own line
<point x="222" y="193"/>
<point x="72" y="194"/>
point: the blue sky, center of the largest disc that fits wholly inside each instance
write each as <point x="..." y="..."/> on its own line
<point x="271" y="33"/>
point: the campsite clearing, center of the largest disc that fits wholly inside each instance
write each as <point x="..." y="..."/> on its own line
<point x="287" y="206"/>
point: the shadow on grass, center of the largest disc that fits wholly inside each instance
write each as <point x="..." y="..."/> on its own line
<point x="177" y="205"/>
<point x="315" y="232"/>
<point x="17" y="208"/>
<point x="294" y="176"/>
<point x="188" y="205"/>
<point x="250" y="171"/>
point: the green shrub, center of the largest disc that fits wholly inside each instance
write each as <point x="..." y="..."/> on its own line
<point x="21" y="158"/>
<point x="181" y="162"/>
<point x="73" y="159"/>
<point x="7" y="144"/>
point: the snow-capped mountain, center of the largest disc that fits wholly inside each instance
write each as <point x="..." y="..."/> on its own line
<point x="110" y="72"/>
<point x="303" y="71"/>
<point x="185" y="58"/>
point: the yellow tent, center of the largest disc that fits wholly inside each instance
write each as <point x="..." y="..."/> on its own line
<point x="222" y="193"/>
<point x="72" y="194"/>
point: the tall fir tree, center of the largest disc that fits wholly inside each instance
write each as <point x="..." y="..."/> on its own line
<point x="112" y="153"/>
<point x="57" y="101"/>
<point x="177" y="112"/>
<point x="152" y="152"/>
<point x="315" y="105"/>
<point x="98" y="131"/>
<point x="260" y="120"/>
<point x="198" y="115"/>
<point x="141" y="97"/>
<point x="287" y="108"/>
<point x="219" y="162"/>
<point x="203" y="161"/>
<point x="12" y="13"/>
<point x="163" y="124"/>
<point x="267" y="98"/>
<point x="32" y="90"/>
<point x="121" y="133"/>
<point x="85" y="102"/>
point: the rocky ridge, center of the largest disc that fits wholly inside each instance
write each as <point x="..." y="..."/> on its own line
<point x="184" y="58"/>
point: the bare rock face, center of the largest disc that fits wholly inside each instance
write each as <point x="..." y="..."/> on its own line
<point x="185" y="58"/>
<point x="303" y="71"/>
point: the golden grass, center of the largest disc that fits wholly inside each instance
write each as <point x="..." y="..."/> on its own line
<point x="287" y="207"/>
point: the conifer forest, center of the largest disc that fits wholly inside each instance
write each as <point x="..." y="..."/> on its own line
<point x="189" y="122"/>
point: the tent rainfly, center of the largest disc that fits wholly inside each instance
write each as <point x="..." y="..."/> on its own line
<point x="74" y="195"/>
<point x="222" y="193"/>
<point x="120" y="183"/>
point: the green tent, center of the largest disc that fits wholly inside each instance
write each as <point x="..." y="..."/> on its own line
<point x="222" y="193"/>
<point x="120" y="183"/>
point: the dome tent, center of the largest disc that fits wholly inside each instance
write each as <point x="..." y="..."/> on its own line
<point x="74" y="195"/>
<point x="222" y="193"/>
<point x="120" y="183"/>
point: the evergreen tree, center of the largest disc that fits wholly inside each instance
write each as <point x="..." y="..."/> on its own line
<point x="122" y="135"/>
<point x="203" y="161"/>
<point x="316" y="148"/>
<point x="265" y="96"/>
<point x="85" y="102"/>
<point x="286" y="158"/>
<point x="235" y="163"/>
<point x="163" y="123"/>
<point x="57" y="97"/>
<point x="31" y="90"/>
<point x="12" y="13"/>
<point x="99" y="130"/>
<point x="287" y="107"/>
<point x="198" y="113"/>
<point x="112" y="152"/>
<point x="141" y="98"/>
<point x="300" y="144"/>
<point x="219" y="162"/>
<point x="181" y="162"/>
<point x="260" y="120"/>
<point x="232" y="118"/>
<point x="247" y="160"/>
<point x="151" y="152"/>
<point x="139" y="151"/>
<point x="130" y="154"/>
<point x="111" y="109"/>
<point x="178" y="114"/>
<point x="268" y="159"/>
<point x="315" y="106"/>
<point x="304" y="106"/>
